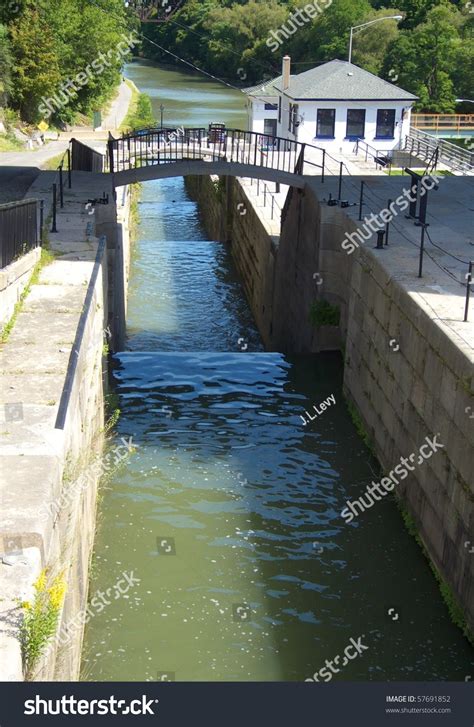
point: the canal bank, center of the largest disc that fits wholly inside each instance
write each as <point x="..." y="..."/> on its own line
<point x="406" y="375"/>
<point x="53" y="366"/>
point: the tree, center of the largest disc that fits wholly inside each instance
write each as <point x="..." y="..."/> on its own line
<point x="5" y="65"/>
<point x="423" y="59"/>
<point x="36" y="71"/>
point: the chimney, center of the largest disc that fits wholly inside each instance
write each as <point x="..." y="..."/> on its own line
<point x="286" y="70"/>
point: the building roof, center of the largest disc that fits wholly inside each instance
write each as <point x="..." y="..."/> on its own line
<point x="264" y="90"/>
<point x="335" y="81"/>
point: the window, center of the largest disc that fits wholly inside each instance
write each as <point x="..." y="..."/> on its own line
<point x="355" y="123"/>
<point x="325" y="123"/>
<point x="271" y="107"/>
<point x="385" y="124"/>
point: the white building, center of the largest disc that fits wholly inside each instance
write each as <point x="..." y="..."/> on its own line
<point x="331" y="106"/>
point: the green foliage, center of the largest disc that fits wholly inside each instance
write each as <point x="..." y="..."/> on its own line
<point x="6" y="63"/>
<point x="140" y="114"/>
<point x="432" y="49"/>
<point x="425" y="57"/>
<point x="40" y="618"/>
<point x="50" y="42"/>
<point x="323" y="313"/>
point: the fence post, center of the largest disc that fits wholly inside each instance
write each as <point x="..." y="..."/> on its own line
<point x="55" y="194"/>
<point x="61" y="186"/>
<point x="468" y="291"/>
<point x="41" y="221"/>
<point x="69" y="170"/>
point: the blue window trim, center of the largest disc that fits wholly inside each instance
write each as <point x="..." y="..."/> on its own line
<point x="384" y="138"/>
<point x="324" y="137"/>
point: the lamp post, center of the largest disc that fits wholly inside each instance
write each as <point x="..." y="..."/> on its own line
<point x="371" y="22"/>
<point x="162" y="108"/>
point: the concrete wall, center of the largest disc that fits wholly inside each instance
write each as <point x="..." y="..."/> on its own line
<point x="52" y="524"/>
<point x="402" y="397"/>
<point x="13" y="281"/>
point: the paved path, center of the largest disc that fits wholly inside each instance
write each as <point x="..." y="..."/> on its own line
<point x="19" y="169"/>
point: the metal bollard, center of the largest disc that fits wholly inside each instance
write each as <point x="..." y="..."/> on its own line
<point x="468" y="290"/>
<point x="380" y="236"/>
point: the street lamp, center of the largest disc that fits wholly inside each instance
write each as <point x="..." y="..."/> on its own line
<point x="371" y="22"/>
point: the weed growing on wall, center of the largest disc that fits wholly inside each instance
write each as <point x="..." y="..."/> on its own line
<point x="41" y="616"/>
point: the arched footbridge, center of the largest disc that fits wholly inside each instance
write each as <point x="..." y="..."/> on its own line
<point x="165" y="152"/>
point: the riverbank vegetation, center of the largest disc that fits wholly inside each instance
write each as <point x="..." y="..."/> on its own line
<point x="430" y="53"/>
<point x="140" y="113"/>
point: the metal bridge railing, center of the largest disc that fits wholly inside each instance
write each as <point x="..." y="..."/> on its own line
<point x="149" y="147"/>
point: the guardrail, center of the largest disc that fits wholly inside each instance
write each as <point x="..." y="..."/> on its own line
<point x="21" y="225"/>
<point x="443" y="122"/>
<point x="267" y="195"/>
<point x="381" y="157"/>
<point x="422" y="146"/>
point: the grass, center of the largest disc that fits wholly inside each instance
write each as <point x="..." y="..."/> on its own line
<point x="53" y="163"/>
<point x="9" y="143"/>
<point x="140" y="113"/>
<point x="132" y="109"/>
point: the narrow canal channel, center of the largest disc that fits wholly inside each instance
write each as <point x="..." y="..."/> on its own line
<point x="228" y="513"/>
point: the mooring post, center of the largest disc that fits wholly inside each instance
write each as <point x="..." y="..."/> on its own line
<point x="422" y="248"/>
<point x="387" y="228"/>
<point x="341" y="164"/>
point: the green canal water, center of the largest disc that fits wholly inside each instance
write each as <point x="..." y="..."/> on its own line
<point x="228" y="512"/>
